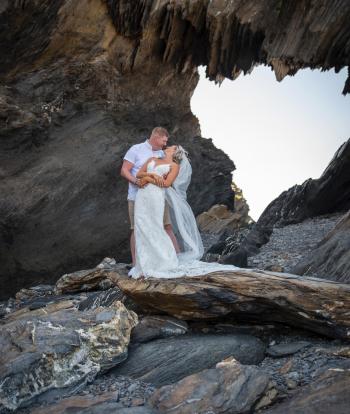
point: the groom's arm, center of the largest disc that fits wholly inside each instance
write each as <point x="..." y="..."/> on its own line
<point x="126" y="173"/>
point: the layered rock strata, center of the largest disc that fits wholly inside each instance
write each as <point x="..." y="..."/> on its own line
<point x="247" y="295"/>
<point x="59" y="347"/>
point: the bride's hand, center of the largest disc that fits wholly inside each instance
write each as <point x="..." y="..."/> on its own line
<point x="143" y="182"/>
<point x="159" y="181"/>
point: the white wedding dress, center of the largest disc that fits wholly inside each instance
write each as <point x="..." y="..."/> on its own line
<point x="154" y="251"/>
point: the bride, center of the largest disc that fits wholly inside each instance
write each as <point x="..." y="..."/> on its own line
<point x="156" y="255"/>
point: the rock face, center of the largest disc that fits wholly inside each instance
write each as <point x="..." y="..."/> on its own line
<point x="331" y="258"/>
<point x="58" y="348"/>
<point x="247" y="295"/>
<point x="328" y="194"/>
<point x="75" y="96"/>
<point x="232" y="37"/>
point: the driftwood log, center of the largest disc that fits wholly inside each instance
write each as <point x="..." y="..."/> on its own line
<point x="247" y="295"/>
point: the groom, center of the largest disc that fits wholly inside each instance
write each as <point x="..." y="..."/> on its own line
<point x="134" y="159"/>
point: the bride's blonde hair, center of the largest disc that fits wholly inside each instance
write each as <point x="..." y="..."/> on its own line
<point x="179" y="154"/>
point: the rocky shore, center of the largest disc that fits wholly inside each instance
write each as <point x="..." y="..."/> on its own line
<point x="97" y="341"/>
<point x="290" y="244"/>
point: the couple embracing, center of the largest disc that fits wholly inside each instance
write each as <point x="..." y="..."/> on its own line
<point x="165" y="241"/>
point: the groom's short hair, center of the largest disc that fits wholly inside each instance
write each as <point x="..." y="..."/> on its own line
<point x="160" y="131"/>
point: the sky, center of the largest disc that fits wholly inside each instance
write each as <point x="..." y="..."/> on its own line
<point x="277" y="133"/>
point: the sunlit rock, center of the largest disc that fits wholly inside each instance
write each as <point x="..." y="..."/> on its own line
<point x="229" y="387"/>
<point x="247" y="295"/>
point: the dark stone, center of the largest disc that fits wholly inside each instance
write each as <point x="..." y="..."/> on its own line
<point x="97" y="299"/>
<point x="331" y="257"/>
<point x="217" y="248"/>
<point x="164" y="361"/>
<point x="104" y="403"/>
<point x="238" y="258"/>
<point x="157" y="326"/>
<point x="281" y="350"/>
<point x="329" y="393"/>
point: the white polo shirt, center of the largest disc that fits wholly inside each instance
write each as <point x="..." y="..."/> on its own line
<point x="138" y="154"/>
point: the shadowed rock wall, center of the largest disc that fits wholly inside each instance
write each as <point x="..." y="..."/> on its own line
<point x="71" y="104"/>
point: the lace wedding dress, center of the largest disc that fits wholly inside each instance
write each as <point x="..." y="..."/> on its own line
<point x="154" y="251"/>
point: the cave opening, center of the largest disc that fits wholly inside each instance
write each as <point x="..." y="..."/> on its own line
<point x="278" y="133"/>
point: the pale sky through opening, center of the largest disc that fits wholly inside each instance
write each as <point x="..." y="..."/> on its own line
<point x="277" y="133"/>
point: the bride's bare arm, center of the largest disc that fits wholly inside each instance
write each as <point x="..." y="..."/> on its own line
<point x="142" y="172"/>
<point x="150" y="177"/>
<point x="174" y="171"/>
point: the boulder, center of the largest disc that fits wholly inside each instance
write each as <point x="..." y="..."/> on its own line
<point x="164" y="361"/>
<point x="157" y="326"/>
<point x="59" y="348"/>
<point x="290" y="348"/>
<point x="238" y="257"/>
<point x="90" y="279"/>
<point x="219" y="218"/>
<point x="229" y="387"/>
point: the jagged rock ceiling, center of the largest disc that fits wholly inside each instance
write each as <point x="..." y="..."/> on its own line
<point x="233" y="36"/>
<point x="82" y="81"/>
